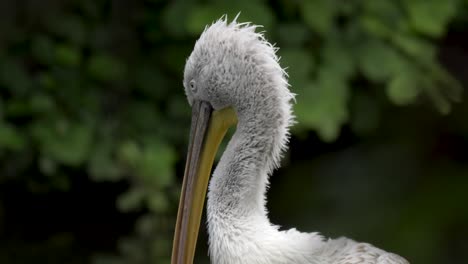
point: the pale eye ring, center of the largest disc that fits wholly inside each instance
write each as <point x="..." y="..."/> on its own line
<point x="193" y="86"/>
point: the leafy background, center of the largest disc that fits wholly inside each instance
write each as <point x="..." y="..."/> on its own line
<point x="94" y="123"/>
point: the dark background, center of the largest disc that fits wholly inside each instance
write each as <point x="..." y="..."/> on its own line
<point x="94" y="124"/>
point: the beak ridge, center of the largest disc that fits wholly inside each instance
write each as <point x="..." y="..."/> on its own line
<point x="201" y="114"/>
<point x="207" y="130"/>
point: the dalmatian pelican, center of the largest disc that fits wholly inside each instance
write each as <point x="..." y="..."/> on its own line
<point x="233" y="78"/>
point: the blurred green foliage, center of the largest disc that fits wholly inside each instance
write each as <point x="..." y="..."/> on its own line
<point x="95" y="86"/>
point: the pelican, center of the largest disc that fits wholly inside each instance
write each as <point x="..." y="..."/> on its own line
<point x="233" y="78"/>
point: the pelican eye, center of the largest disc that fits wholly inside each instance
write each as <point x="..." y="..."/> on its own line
<point x="193" y="86"/>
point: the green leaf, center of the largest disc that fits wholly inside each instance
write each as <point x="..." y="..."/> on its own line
<point x="11" y="138"/>
<point x="292" y="34"/>
<point x="157" y="202"/>
<point x="431" y="79"/>
<point x="430" y="17"/>
<point x="383" y="16"/>
<point x="443" y="89"/>
<point x="319" y="15"/>
<point x="142" y="115"/>
<point x="105" y="67"/>
<point x="47" y="166"/>
<point x="70" y="27"/>
<point x="145" y="224"/>
<point x="146" y="77"/>
<point x="202" y="16"/>
<point x="299" y="65"/>
<point x="175" y="16"/>
<point x="13" y="75"/>
<point x="338" y="57"/>
<point x="378" y="61"/>
<point x="131" y="200"/>
<point x="129" y="153"/>
<point x="47" y="80"/>
<point x="156" y="164"/>
<point x="417" y="48"/>
<point x="403" y="88"/>
<point x="101" y="165"/>
<point x="375" y="26"/>
<point x="152" y="164"/>
<point x="65" y="142"/>
<point x="323" y="105"/>
<point x="17" y="108"/>
<point x="41" y="103"/>
<point x="42" y="48"/>
<point x="175" y="56"/>
<point x="67" y="55"/>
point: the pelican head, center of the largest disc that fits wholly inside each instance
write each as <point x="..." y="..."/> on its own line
<point x="232" y="76"/>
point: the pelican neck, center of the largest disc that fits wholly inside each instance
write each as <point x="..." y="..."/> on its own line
<point x="238" y="186"/>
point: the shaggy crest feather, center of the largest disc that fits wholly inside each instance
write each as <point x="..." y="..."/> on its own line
<point x="245" y="35"/>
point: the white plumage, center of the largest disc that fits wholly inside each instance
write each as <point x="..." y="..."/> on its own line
<point x="233" y="66"/>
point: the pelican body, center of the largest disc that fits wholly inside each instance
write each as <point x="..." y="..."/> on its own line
<point x="233" y="78"/>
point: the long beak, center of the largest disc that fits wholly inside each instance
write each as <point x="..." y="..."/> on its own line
<point x="206" y="133"/>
